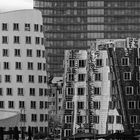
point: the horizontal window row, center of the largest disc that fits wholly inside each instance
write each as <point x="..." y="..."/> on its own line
<point x="21" y="91"/>
<point x="28" y="40"/>
<point x="17" y="27"/>
<point x="20" y="79"/>
<point x="20" y="66"/>
<point x="126" y="62"/>
<point x="133" y="104"/>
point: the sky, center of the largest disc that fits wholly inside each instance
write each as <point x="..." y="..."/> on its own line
<point x="9" y="5"/>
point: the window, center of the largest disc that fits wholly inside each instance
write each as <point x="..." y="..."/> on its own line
<point x="40" y="91"/>
<point x="39" y="66"/>
<point x="96" y="119"/>
<point x="81" y="77"/>
<point x="138" y="61"/>
<point x="40" y="79"/>
<point x="70" y="91"/>
<point x="4" y="26"/>
<point x="69" y="105"/>
<point x="28" y="39"/>
<point x="17" y="52"/>
<point x="33" y="104"/>
<point x="97" y="90"/>
<point x="31" y="79"/>
<point x="4" y="39"/>
<point x="1" y="104"/>
<point x="6" y="65"/>
<point x="111" y="119"/>
<point x="21" y="104"/>
<point x="33" y="117"/>
<point x="32" y="91"/>
<point x="38" y="53"/>
<point x="71" y="63"/>
<point x="43" y="54"/>
<point x="23" y="117"/>
<point x="97" y="76"/>
<point x="111" y="105"/>
<point x="41" y="117"/>
<point x="138" y="104"/>
<point x="138" y="76"/>
<point x="16" y="40"/>
<point x="46" y="104"/>
<point x="41" y="104"/>
<point x="96" y="104"/>
<point x="19" y="78"/>
<point x="125" y="61"/>
<point x="68" y="119"/>
<point x="36" y="27"/>
<point x="80" y="105"/>
<point x="18" y="65"/>
<point x="37" y="40"/>
<point x="27" y="27"/>
<point x="133" y="119"/>
<point x="5" y="52"/>
<point x="131" y="104"/>
<point x="127" y="75"/>
<point x="41" y="28"/>
<point x="42" y="41"/>
<point x="10" y="104"/>
<point x="70" y="77"/>
<point x="7" y="78"/>
<point x="82" y="63"/>
<point x="99" y="62"/>
<point x="81" y="91"/>
<point x="15" y="26"/>
<point x="9" y="91"/>
<point x="79" y="119"/>
<point x="118" y="119"/>
<point x="45" y="79"/>
<point x="129" y="90"/>
<point x="67" y="132"/>
<point x="29" y="53"/>
<point x="30" y="65"/>
<point x="20" y="91"/>
<point x="1" y="91"/>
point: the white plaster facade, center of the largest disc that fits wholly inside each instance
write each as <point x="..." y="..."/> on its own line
<point x="22" y="59"/>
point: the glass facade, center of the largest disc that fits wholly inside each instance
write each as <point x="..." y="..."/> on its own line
<point x="73" y="24"/>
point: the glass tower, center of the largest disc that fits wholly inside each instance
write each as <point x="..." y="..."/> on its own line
<point x="74" y="24"/>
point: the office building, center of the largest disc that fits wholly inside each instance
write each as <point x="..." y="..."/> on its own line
<point x="23" y="81"/>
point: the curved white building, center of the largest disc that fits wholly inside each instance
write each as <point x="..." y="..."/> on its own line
<point x="23" y="85"/>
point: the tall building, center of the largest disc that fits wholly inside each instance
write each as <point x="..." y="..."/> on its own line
<point x="23" y="81"/>
<point x="74" y="24"/>
<point x="88" y="105"/>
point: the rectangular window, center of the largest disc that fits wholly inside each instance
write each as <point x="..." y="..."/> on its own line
<point x="95" y="119"/>
<point x="5" y="53"/>
<point x="4" y="26"/>
<point x="36" y="27"/>
<point x="70" y="77"/>
<point x="18" y="65"/>
<point x="138" y="61"/>
<point x="79" y="119"/>
<point x="20" y="91"/>
<point x="118" y="119"/>
<point x="10" y="104"/>
<point x="21" y="104"/>
<point x="15" y="26"/>
<point x="7" y="78"/>
<point x="33" y="104"/>
<point x="67" y="132"/>
<point x="138" y="76"/>
<point x="82" y="63"/>
<point x="69" y="105"/>
<point x="71" y="63"/>
<point x="98" y="77"/>
<point x="97" y="90"/>
<point x="32" y="91"/>
<point x="40" y="91"/>
<point x="111" y="119"/>
<point x="40" y="79"/>
<point x="16" y="39"/>
<point x="38" y="53"/>
<point x="37" y="40"/>
<point x="81" y="91"/>
<point x="39" y="66"/>
<point x="70" y="91"/>
<point x="131" y="104"/>
<point x="80" y="105"/>
<point x="28" y="39"/>
<point x="6" y="65"/>
<point x="4" y="39"/>
<point x="96" y="104"/>
<point x="41" y="28"/>
<point x="30" y="65"/>
<point x="99" y="62"/>
<point x="133" y="119"/>
<point x="17" y="52"/>
<point x="31" y="79"/>
<point x="42" y="41"/>
<point x="1" y="104"/>
<point x="125" y="61"/>
<point x="19" y="78"/>
<point x="1" y="91"/>
<point x="27" y="27"/>
<point x="9" y="91"/>
<point x="127" y="76"/>
<point x="41" y="105"/>
<point x="129" y="90"/>
<point x="33" y="117"/>
<point x="111" y="105"/>
<point x="23" y="118"/>
<point x="29" y="53"/>
<point x="68" y="119"/>
<point x="81" y="77"/>
<point x="41" y="117"/>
